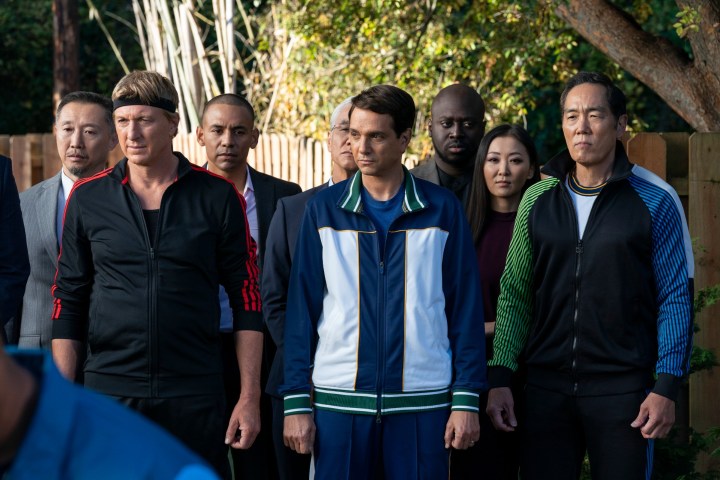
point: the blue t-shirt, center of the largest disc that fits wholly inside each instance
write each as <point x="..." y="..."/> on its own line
<point x="382" y="213"/>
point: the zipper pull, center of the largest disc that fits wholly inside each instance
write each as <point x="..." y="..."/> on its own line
<point x="579" y="247"/>
<point x="152" y="253"/>
<point x="382" y="267"/>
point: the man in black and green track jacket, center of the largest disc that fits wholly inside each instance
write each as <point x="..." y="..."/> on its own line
<point x="596" y="300"/>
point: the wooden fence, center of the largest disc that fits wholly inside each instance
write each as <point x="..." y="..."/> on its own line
<point x="304" y="161"/>
<point x="690" y="163"/>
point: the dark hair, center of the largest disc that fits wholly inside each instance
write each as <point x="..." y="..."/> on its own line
<point x="88" y="97"/>
<point x="389" y="100"/>
<point x="230" y="99"/>
<point x="615" y="97"/>
<point x="479" y="203"/>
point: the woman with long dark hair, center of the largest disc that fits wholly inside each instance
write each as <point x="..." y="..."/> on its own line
<point x="505" y="166"/>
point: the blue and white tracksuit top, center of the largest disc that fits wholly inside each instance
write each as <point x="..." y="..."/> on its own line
<point x="397" y="334"/>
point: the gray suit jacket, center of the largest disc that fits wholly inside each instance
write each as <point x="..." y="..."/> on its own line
<point x="39" y="211"/>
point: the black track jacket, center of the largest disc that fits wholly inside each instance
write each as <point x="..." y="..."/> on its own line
<point x="148" y="307"/>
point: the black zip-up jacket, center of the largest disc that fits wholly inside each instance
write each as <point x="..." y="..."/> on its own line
<point x="603" y="313"/>
<point x="148" y="307"/>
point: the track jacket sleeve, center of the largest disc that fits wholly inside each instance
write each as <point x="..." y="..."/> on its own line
<point x="74" y="276"/>
<point x="514" y="310"/>
<point x="276" y="275"/>
<point x="672" y="263"/>
<point x="464" y="311"/>
<point x="304" y="306"/>
<point x="237" y="264"/>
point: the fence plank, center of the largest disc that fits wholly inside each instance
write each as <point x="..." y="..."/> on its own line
<point x="5" y="145"/>
<point x="51" y="163"/>
<point x="21" y="155"/>
<point x="704" y="193"/>
<point x="648" y="150"/>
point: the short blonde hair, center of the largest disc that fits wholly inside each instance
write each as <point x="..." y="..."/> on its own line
<point x="147" y="86"/>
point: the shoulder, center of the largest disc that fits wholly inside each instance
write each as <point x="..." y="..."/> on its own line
<point x="425" y="169"/>
<point x="277" y="183"/>
<point x="300" y="198"/>
<point x="645" y="181"/>
<point x="33" y="192"/>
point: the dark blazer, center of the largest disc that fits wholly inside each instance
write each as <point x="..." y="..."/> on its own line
<point x="268" y="190"/>
<point x="14" y="263"/>
<point x="279" y="253"/>
<point x="258" y="461"/>
<point x="39" y="210"/>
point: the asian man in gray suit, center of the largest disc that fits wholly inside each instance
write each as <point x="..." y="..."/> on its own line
<point x="85" y="136"/>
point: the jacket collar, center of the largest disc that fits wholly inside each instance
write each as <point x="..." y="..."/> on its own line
<point x="562" y="164"/>
<point x="119" y="172"/>
<point x="351" y="199"/>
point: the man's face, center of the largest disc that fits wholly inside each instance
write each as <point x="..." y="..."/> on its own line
<point x="339" y="142"/>
<point x="589" y="127"/>
<point x="145" y="133"/>
<point x="84" y="139"/>
<point x="456" y="128"/>
<point x="227" y="133"/>
<point x="376" y="147"/>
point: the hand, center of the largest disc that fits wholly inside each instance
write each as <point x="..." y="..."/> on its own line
<point x="462" y="430"/>
<point x="501" y="409"/>
<point x="244" y="424"/>
<point x="299" y="433"/>
<point x="656" y="416"/>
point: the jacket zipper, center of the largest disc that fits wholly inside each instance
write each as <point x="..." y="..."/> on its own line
<point x="381" y="332"/>
<point x="152" y="296"/>
<point x="579" y="249"/>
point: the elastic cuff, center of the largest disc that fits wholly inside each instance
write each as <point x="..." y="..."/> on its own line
<point x="668" y="386"/>
<point x="465" y="400"/>
<point x="499" y="377"/>
<point x="247" y="320"/>
<point x="297" y="403"/>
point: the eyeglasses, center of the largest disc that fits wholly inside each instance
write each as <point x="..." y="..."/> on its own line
<point x="344" y="129"/>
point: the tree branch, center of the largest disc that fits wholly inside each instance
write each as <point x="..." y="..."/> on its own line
<point x="687" y="89"/>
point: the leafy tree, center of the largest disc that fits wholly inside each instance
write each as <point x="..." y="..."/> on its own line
<point x="686" y="76"/>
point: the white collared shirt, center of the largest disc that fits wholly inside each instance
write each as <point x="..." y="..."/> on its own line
<point x="66" y="184"/>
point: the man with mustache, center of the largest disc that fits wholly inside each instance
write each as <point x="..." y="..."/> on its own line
<point x="85" y="136"/>
<point x="456" y="126"/>
<point x="228" y="133"/>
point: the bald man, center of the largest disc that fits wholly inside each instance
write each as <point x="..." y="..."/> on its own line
<point x="456" y="126"/>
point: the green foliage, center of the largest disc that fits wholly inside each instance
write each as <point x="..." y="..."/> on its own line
<point x="707" y="297"/>
<point x="26" y="61"/>
<point x="675" y="458"/>
<point x="687" y="21"/>
<point x="26" y="66"/>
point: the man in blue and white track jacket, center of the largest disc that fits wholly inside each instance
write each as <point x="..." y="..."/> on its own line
<point x="384" y="312"/>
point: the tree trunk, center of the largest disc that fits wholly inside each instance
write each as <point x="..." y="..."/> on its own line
<point x="691" y="87"/>
<point x="65" y="39"/>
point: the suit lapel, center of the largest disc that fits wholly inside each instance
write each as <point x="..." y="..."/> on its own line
<point x="46" y="215"/>
<point x="264" y="205"/>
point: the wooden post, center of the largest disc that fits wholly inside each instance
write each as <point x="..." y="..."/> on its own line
<point x="66" y="31"/>
<point x="704" y="193"/>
